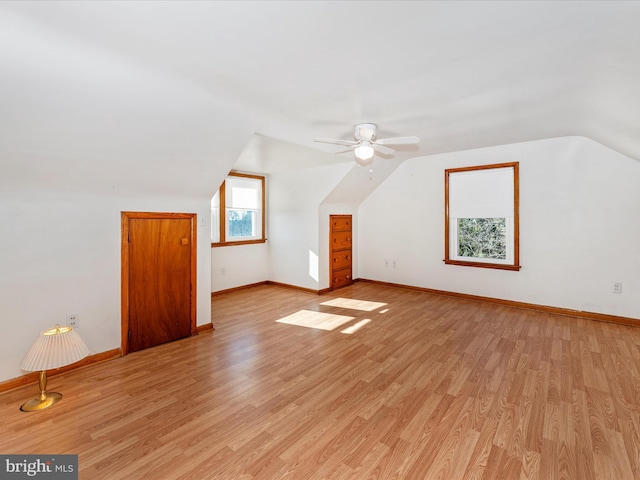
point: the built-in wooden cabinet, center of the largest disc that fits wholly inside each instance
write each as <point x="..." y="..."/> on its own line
<point x="340" y="244"/>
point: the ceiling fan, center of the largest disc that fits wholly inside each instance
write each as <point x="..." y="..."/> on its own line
<point x="367" y="145"/>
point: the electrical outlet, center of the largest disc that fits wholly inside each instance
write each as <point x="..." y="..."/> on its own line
<point x="386" y="262"/>
<point x="617" y="287"/>
<point x="73" y="320"/>
<point x="394" y="264"/>
<point x="222" y="271"/>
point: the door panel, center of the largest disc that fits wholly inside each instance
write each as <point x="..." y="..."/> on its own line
<point x="160" y="273"/>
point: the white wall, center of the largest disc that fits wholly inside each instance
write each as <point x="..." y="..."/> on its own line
<point x="238" y="265"/>
<point x="296" y="238"/>
<point x="579" y="228"/>
<point x="60" y="254"/>
<point x="297" y="248"/>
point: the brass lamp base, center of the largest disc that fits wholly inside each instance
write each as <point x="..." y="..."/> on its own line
<point x="41" y="402"/>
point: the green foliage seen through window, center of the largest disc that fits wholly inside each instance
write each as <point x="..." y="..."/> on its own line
<point x="482" y="238"/>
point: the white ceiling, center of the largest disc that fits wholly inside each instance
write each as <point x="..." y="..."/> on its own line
<point x="143" y="94"/>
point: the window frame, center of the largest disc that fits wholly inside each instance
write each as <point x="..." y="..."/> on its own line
<point x="222" y="223"/>
<point x="513" y="243"/>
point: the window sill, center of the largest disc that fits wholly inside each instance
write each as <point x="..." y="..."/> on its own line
<point x="496" y="266"/>
<point x="243" y="242"/>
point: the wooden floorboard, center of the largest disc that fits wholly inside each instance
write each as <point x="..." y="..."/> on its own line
<point x="399" y="384"/>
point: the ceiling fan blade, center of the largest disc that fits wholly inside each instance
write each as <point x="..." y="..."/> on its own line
<point x="398" y="141"/>
<point x="335" y="141"/>
<point x="350" y="149"/>
<point x="382" y="149"/>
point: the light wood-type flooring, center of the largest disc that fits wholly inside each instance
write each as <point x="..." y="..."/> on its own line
<point x="367" y="382"/>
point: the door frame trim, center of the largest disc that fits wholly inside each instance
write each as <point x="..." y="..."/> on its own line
<point x="124" y="281"/>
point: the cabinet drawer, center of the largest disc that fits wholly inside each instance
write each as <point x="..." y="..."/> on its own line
<point x="341" y="259"/>
<point x="341" y="223"/>
<point x="341" y="278"/>
<point x="341" y="240"/>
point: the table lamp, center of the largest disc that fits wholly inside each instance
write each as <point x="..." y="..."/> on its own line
<point x="54" y="348"/>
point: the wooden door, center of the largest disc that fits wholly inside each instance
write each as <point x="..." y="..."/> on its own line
<point x="158" y="278"/>
<point x="340" y="244"/>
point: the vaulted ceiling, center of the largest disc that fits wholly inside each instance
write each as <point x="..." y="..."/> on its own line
<point x="155" y="96"/>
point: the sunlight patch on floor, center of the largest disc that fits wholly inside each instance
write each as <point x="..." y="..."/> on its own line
<point x="319" y="320"/>
<point x="353" y="304"/>
<point x="355" y="327"/>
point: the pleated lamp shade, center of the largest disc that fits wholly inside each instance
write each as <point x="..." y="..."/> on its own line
<point x="55" y="348"/>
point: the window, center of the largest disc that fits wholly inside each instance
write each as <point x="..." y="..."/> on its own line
<point x="481" y="216"/>
<point x="237" y="211"/>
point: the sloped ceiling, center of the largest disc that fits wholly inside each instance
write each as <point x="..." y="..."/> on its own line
<point x="164" y="96"/>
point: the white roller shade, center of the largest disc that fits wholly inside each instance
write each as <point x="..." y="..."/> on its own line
<point x="243" y="193"/>
<point x="486" y="193"/>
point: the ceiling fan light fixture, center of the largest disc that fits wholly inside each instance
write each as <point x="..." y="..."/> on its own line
<point x="364" y="154"/>
<point x="364" y="162"/>
<point x="366" y="144"/>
